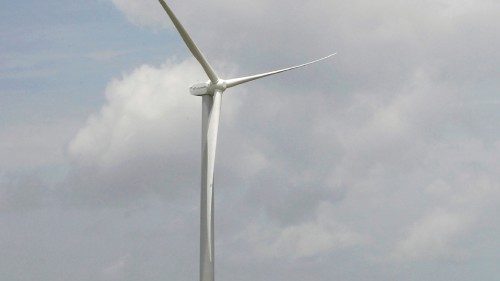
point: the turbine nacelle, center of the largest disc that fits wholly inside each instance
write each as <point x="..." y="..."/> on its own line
<point x="200" y="89"/>
<point x="208" y="88"/>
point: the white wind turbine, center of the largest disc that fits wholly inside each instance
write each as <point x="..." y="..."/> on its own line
<point x="211" y="91"/>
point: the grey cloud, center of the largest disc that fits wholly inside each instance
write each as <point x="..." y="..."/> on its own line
<point x="21" y="192"/>
<point x="381" y="164"/>
<point x="145" y="13"/>
<point x="32" y="145"/>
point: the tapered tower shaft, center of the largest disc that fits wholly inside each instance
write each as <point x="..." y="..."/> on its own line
<point x="210" y="125"/>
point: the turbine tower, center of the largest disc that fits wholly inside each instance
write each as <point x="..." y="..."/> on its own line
<point x="211" y="92"/>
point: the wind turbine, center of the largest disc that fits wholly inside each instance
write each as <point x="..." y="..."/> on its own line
<point x="211" y="92"/>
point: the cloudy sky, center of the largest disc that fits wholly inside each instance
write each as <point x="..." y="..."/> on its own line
<point x="381" y="164"/>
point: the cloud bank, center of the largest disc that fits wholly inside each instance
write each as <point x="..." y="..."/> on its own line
<point x="381" y="164"/>
<point x="394" y="138"/>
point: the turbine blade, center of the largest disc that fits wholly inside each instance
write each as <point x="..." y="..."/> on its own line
<point x="211" y="117"/>
<point x="190" y="44"/>
<point x="237" y="81"/>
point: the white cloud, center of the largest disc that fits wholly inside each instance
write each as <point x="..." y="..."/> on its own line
<point x="147" y="111"/>
<point x="321" y="236"/>
<point x="433" y="236"/>
<point x="141" y="141"/>
<point x="145" y="13"/>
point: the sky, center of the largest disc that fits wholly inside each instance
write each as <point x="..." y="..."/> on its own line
<point x="380" y="164"/>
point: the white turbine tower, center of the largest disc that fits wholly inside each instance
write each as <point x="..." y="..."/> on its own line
<point x="211" y="91"/>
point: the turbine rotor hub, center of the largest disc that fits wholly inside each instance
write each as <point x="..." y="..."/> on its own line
<point x="221" y="85"/>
